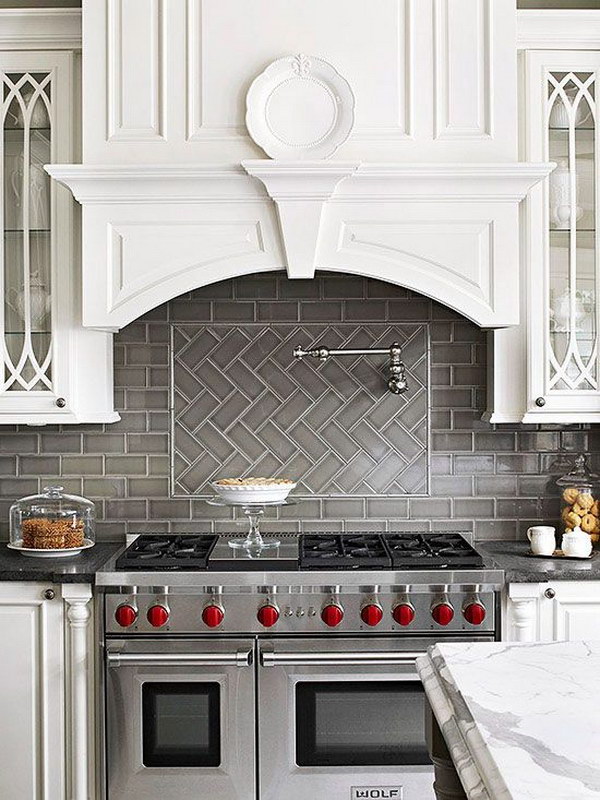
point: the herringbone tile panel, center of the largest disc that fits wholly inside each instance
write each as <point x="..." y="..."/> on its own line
<point x="242" y="405"/>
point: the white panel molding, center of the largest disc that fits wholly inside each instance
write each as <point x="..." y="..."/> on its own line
<point x="453" y="256"/>
<point x="198" y="71"/>
<point x="40" y="28"/>
<point x="560" y="29"/>
<point x="148" y="257"/>
<point x="77" y="598"/>
<point x="140" y="75"/>
<point x="453" y="87"/>
<point x="575" y="616"/>
<point x="197" y="129"/>
<point x="404" y="128"/>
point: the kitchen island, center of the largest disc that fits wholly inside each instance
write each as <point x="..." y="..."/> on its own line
<point x="520" y="721"/>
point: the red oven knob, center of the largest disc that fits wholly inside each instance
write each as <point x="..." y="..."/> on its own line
<point x="267" y="615"/>
<point x="157" y="616"/>
<point x="403" y="613"/>
<point x="442" y="613"/>
<point x="125" y="615"/>
<point x="371" y="614"/>
<point x="213" y="616"/>
<point x="474" y="613"/>
<point x="332" y="615"/>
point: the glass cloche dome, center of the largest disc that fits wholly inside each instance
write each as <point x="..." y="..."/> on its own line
<point x="52" y="520"/>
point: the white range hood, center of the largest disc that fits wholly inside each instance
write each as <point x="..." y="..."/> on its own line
<point x="448" y="231"/>
<point x="425" y="192"/>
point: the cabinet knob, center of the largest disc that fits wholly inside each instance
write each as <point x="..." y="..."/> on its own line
<point x="550" y="593"/>
<point x="61" y="402"/>
<point x="540" y="402"/>
<point x="49" y="594"/>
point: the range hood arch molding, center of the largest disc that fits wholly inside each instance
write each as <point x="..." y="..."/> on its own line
<point x="447" y="231"/>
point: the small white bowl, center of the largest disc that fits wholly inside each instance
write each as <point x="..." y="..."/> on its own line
<point x="246" y="494"/>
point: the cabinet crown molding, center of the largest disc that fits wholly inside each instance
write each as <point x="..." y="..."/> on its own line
<point x="558" y="29"/>
<point x="40" y="28"/>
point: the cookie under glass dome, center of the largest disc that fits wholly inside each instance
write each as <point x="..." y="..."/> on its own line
<point x="52" y="521"/>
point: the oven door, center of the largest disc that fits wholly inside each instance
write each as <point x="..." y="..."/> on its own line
<point x="180" y="719"/>
<point x="342" y="720"/>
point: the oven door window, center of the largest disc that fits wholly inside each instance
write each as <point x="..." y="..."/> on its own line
<point x="360" y="723"/>
<point x="181" y="725"/>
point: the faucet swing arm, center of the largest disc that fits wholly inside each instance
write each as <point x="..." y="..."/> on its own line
<point x="396" y="382"/>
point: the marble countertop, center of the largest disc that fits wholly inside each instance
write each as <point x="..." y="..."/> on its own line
<point x="521" y="568"/>
<point x="521" y="721"/>
<point x="79" y="569"/>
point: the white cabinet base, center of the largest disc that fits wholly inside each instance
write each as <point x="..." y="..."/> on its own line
<point x="551" y="612"/>
<point x="45" y="708"/>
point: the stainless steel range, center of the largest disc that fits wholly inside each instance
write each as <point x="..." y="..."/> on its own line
<point x="282" y="675"/>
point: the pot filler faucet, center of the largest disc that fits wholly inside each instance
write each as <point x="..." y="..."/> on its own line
<point x="396" y="382"/>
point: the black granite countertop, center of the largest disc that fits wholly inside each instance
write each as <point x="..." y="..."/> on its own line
<point x="508" y="556"/>
<point x="79" y="569"/>
<point x="521" y="568"/>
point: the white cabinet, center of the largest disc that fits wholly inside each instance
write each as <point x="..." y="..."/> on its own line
<point x="553" y="611"/>
<point x="548" y="369"/>
<point x="31" y="693"/>
<point x="52" y="370"/>
<point x="44" y="686"/>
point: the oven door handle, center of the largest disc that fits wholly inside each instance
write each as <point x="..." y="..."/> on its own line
<point x="269" y="658"/>
<point x="241" y="658"/>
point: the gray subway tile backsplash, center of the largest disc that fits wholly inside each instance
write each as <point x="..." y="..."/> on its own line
<point x="484" y="478"/>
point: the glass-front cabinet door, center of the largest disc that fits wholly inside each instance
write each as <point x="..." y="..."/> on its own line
<point x="562" y="286"/>
<point x="51" y="368"/>
<point x="37" y="229"/>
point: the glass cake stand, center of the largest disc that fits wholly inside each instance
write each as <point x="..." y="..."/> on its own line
<point x="254" y="544"/>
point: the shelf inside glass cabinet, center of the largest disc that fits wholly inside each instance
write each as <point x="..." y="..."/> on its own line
<point x="589" y="126"/>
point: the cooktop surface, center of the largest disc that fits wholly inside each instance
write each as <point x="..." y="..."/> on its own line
<point x="168" y="551"/>
<point x="308" y="551"/>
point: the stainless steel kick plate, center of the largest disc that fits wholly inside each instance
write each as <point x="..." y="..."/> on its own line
<point x="376" y="793"/>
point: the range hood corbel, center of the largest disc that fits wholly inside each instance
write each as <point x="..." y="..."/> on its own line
<point x="300" y="191"/>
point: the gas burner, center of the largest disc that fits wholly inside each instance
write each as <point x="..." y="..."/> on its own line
<point x="431" y="551"/>
<point x="398" y="550"/>
<point x="343" y="551"/>
<point x="172" y="552"/>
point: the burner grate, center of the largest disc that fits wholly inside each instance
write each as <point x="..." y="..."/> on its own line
<point x="396" y="550"/>
<point x="343" y="551"/>
<point x="446" y="550"/>
<point x="168" y="552"/>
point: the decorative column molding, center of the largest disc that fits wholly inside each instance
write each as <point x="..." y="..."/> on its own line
<point x="522" y="601"/>
<point x="300" y="190"/>
<point x="77" y="598"/>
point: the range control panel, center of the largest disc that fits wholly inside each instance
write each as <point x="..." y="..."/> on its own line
<point x="298" y="612"/>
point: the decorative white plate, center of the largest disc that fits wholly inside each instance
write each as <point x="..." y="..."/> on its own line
<point x="257" y="495"/>
<point x="299" y="108"/>
<point x="58" y="552"/>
